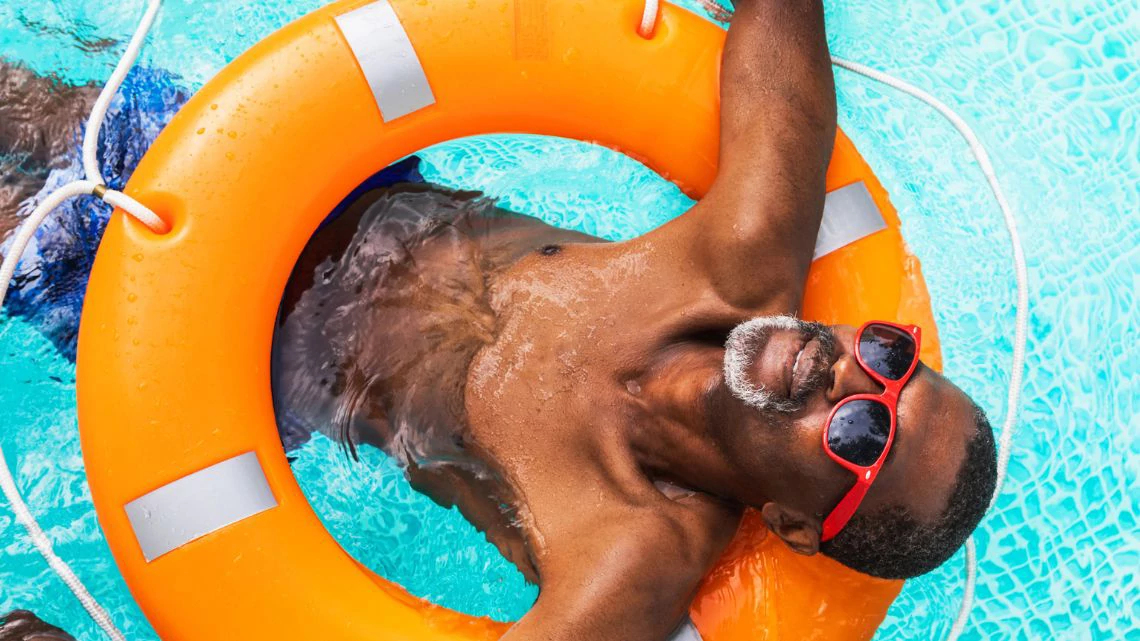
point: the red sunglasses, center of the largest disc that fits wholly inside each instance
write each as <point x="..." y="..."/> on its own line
<point x="861" y="428"/>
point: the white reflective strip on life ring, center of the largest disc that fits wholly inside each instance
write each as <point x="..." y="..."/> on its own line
<point x="849" y="214"/>
<point x="198" y="504"/>
<point x="686" y="632"/>
<point x="387" y="58"/>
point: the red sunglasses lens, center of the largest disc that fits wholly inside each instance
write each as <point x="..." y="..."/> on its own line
<point x="859" y="430"/>
<point x="887" y="350"/>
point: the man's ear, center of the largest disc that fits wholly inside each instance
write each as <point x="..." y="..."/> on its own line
<point x="799" y="531"/>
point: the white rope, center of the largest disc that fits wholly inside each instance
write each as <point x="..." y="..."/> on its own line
<point x="967" y="605"/>
<point x="24" y="234"/>
<point x="99" y="110"/>
<point x="27" y="230"/>
<point x="1021" y="322"/>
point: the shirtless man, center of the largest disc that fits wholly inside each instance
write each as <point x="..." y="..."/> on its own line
<point x="605" y="411"/>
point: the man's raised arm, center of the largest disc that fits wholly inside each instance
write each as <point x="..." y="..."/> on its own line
<point x="754" y="232"/>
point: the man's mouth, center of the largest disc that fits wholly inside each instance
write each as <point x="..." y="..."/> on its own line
<point x="775" y="367"/>
<point x="774" y="363"/>
<point x="788" y="365"/>
<point x="811" y="359"/>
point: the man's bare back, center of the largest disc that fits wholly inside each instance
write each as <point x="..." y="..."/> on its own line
<point x="568" y="394"/>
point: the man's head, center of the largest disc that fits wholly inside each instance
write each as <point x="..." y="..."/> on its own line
<point x="782" y="378"/>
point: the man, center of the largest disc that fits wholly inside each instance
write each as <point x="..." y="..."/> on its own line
<point x="605" y="411"/>
<point x="21" y="625"/>
<point x="41" y="119"/>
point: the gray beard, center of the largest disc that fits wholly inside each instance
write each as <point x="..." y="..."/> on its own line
<point x="747" y="340"/>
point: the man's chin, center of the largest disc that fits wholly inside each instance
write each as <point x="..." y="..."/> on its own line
<point x="749" y="356"/>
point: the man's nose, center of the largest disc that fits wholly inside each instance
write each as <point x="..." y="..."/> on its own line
<point x="848" y="378"/>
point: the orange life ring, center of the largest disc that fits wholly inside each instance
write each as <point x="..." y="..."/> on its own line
<point x="173" y="367"/>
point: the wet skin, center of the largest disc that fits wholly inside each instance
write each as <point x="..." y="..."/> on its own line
<point x="21" y="625"/>
<point x="568" y="394"/>
<point x="39" y="123"/>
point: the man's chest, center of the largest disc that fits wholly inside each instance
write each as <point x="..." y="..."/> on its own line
<point x="577" y="335"/>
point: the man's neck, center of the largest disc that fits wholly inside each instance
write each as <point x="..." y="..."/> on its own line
<point x="679" y="446"/>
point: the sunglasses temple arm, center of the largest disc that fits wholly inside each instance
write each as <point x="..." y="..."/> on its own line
<point x="845" y="510"/>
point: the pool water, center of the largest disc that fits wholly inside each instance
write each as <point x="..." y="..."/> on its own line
<point x="1052" y="88"/>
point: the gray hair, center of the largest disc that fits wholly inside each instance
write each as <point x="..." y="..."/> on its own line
<point x="748" y="339"/>
<point x="744" y="342"/>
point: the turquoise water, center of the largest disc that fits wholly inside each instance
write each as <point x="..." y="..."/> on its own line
<point x="1053" y="89"/>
